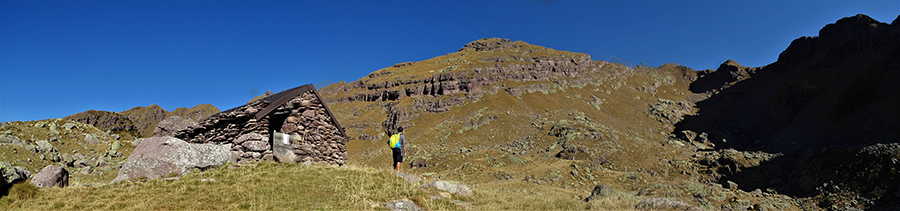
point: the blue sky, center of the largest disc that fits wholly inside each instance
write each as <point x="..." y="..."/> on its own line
<point x="62" y="57"/>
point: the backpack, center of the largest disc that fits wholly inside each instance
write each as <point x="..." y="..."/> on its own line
<point x="394" y="142"/>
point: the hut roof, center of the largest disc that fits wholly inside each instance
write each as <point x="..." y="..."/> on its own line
<point x="282" y="97"/>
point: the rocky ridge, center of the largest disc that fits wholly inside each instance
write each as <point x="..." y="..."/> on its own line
<point x="146" y="118"/>
<point x="104" y="120"/>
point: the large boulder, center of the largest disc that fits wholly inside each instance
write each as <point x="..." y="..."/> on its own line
<point x="10" y="174"/>
<point x="158" y="157"/>
<point x="173" y="124"/>
<point x="45" y="147"/>
<point x="91" y="139"/>
<point x="599" y="192"/>
<point x="51" y="176"/>
<point x="458" y="189"/>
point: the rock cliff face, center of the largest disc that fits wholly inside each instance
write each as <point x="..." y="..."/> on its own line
<point x="146" y="118"/>
<point x="827" y="103"/>
<point x="459" y="77"/>
<point x="822" y="91"/>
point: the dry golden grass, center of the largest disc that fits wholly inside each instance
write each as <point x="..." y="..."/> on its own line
<point x="268" y="186"/>
<point x="264" y="186"/>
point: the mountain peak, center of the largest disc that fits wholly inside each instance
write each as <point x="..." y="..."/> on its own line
<point x="849" y="35"/>
<point x="730" y="62"/>
<point x="852" y="26"/>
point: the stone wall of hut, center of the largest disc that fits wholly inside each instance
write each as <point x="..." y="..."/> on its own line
<point x="314" y="137"/>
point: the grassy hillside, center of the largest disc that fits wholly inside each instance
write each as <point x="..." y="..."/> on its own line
<point x="100" y="153"/>
<point x="606" y="124"/>
<point x="283" y="186"/>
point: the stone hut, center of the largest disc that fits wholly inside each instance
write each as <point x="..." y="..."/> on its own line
<point x="290" y="126"/>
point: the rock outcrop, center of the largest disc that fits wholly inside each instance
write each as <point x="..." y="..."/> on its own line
<point x="10" y="174"/>
<point x="157" y="157"/>
<point x="599" y="192"/>
<point x="410" y="178"/>
<point x="51" y="176"/>
<point x="451" y="187"/>
<point x="461" y="80"/>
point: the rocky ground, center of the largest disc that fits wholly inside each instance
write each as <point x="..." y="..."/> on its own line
<point x="92" y="155"/>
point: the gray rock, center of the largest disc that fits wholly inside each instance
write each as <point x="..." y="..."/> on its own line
<point x="81" y="163"/>
<point x="158" y="157"/>
<point x="402" y="206"/>
<point x="115" y="145"/>
<point x="91" y="139"/>
<point x="54" y="129"/>
<point x="250" y="137"/>
<point x="31" y="148"/>
<point x="54" y="157"/>
<point x="6" y="139"/>
<point x="67" y="159"/>
<point x="171" y="125"/>
<point x="137" y="142"/>
<point x="665" y="204"/>
<point x="458" y="189"/>
<point x="599" y="192"/>
<point x="51" y="176"/>
<point x="256" y="146"/>
<point x="86" y="170"/>
<point x="45" y="147"/>
<point x="11" y="174"/>
<point x="69" y="126"/>
<point x="732" y="185"/>
<point x="410" y="178"/>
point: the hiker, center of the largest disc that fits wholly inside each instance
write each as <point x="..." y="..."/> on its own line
<point x="398" y="147"/>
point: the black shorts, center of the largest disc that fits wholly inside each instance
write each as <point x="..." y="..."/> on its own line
<point x="398" y="155"/>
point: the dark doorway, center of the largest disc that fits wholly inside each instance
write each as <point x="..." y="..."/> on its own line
<point x="275" y="123"/>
